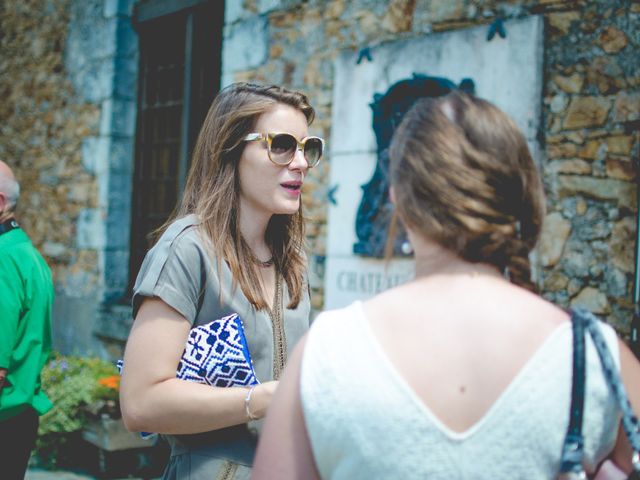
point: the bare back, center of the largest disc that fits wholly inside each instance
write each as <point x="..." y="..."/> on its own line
<point x="468" y="335"/>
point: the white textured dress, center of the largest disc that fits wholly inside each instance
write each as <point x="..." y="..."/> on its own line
<point x="365" y="422"/>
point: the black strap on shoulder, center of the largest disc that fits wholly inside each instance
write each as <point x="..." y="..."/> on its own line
<point x="573" y="448"/>
<point x="8" y="225"/>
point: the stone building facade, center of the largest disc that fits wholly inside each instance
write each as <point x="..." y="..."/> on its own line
<point x="68" y="127"/>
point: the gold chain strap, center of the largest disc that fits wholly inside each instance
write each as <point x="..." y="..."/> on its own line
<point x="228" y="471"/>
<point x="279" y="337"/>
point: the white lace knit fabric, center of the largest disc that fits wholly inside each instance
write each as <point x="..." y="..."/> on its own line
<point x="365" y="422"/>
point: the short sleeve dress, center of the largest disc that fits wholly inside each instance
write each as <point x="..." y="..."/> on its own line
<point x="181" y="273"/>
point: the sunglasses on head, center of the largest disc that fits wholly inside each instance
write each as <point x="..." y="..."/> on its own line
<point x="282" y="147"/>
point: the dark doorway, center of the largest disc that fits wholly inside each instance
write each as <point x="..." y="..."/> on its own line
<point x="179" y="74"/>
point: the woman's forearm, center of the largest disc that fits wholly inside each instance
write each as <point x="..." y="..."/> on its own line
<point x="179" y="407"/>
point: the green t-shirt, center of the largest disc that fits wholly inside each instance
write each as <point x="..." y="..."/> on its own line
<point x="26" y="298"/>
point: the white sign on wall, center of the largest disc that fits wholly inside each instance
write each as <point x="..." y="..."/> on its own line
<point x="506" y="71"/>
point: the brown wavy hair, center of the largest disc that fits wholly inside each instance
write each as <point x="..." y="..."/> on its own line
<point x="212" y="190"/>
<point x="463" y="176"/>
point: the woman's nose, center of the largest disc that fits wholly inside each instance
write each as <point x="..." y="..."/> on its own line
<point x="299" y="161"/>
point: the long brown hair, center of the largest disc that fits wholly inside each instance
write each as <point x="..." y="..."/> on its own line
<point x="463" y="176"/>
<point x="212" y="190"/>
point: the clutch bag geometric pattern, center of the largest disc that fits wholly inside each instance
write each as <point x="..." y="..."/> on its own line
<point x="216" y="354"/>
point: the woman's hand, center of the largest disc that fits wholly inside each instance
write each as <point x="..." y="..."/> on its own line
<point x="261" y="399"/>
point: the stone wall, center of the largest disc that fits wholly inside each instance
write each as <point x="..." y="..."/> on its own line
<point x="67" y="120"/>
<point x="42" y="126"/>
<point x="65" y="75"/>
<point x="590" y="108"/>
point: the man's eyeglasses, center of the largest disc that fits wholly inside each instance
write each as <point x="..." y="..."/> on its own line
<point x="282" y="147"/>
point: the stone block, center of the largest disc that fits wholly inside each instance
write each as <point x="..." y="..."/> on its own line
<point x="570" y="84"/>
<point x="593" y="300"/>
<point x="571" y="166"/>
<point x="620" y="168"/>
<point x="233" y="11"/>
<point x="558" y="103"/>
<point x="599" y="188"/>
<point x="574" y="286"/>
<point x="605" y="73"/>
<point x="561" y="150"/>
<point x="399" y="16"/>
<point x="90" y="229"/>
<point x="616" y="281"/>
<point x="126" y="77"/>
<point x="121" y="156"/>
<point x="56" y="251"/>
<point x="245" y="45"/>
<point x="593" y="150"/>
<point x="91" y="38"/>
<point x="113" y="8"/>
<point x="368" y="22"/>
<point x="621" y="245"/>
<point x="118" y="117"/>
<point x="612" y="40"/>
<point x="82" y="193"/>
<point x="95" y="81"/>
<point x="95" y="154"/>
<point x="581" y="207"/>
<point x="586" y="112"/>
<point x="555" y="281"/>
<point x="620" y="144"/>
<point x="555" y="231"/>
<point x="626" y="107"/>
<point x="561" y="21"/>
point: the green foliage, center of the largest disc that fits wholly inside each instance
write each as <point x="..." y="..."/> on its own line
<point x="78" y="387"/>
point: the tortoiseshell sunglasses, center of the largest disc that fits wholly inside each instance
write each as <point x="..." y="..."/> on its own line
<point x="282" y="147"/>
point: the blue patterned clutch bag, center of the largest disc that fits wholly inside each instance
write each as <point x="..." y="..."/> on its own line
<point x="216" y="354"/>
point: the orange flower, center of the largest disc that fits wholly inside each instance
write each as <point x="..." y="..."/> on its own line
<point x="112" y="382"/>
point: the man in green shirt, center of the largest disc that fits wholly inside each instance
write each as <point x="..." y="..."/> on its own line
<point x="26" y="298"/>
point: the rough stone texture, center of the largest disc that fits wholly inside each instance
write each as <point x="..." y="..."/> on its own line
<point x="587" y="112"/>
<point x="399" y="16"/>
<point x="593" y="300"/>
<point x="570" y="84"/>
<point x="627" y="106"/>
<point x="42" y="127"/>
<point x="612" y="40"/>
<point x="68" y="119"/>
<point x="622" y="243"/>
<point x="555" y="232"/>
<point x="601" y="189"/>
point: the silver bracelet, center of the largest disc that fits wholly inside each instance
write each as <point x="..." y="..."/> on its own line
<point x="246" y="404"/>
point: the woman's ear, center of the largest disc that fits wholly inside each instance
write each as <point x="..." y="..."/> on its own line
<point x="392" y="196"/>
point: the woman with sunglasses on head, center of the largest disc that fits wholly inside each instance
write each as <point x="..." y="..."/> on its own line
<point x="235" y="246"/>
<point x="463" y="372"/>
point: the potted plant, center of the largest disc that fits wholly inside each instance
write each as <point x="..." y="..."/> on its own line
<point x="84" y="391"/>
